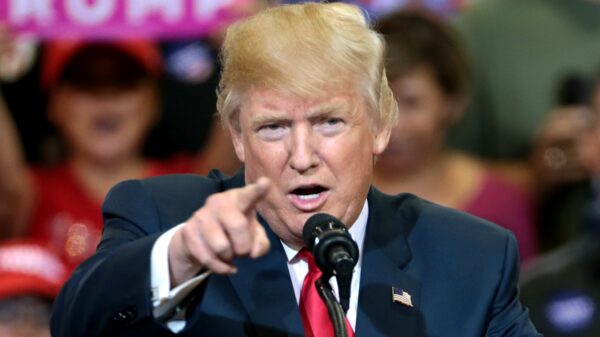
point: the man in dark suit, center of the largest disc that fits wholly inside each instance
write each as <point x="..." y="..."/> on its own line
<point x="304" y="94"/>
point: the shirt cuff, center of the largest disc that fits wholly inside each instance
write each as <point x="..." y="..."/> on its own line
<point x="164" y="299"/>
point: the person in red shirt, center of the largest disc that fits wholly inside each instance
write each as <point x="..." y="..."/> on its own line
<point x="103" y="98"/>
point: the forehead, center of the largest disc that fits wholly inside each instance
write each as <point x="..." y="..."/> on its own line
<point x="259" y="103"/>
<point x="98" y="66"/>
<point x="420" y="75"/>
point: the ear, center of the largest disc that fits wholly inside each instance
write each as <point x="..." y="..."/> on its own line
<point x="381" y="139"/>
<point x="238" y="142"/>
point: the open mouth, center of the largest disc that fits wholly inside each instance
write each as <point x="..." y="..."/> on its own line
<point x="107" y="124"/>
<point x="308" y="193"/>
<point x="308" y="197"/>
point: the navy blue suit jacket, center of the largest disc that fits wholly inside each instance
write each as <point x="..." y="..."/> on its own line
<point x="460" y="271"/>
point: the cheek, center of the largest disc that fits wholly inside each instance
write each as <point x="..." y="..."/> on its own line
<point x="139" y="114"/>
<point x="264" y="158"/>
<point x="589" y="150"/>
<point x="139" y="102"/>
<point x="350" y="155"/>
<point x="142" y="116"/>
<point x="67" y="111"/>
<point x="80" y="116"/>
<point x="75" y="122"/>
<point x="427" y="128"/>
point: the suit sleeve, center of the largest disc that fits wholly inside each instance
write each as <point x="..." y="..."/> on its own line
<point x="508" y="318"/>
<point x="109" y="294"/>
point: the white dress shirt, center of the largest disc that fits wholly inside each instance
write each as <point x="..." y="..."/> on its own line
<point x="298" y="268"/>
<point x="165" y="299"/>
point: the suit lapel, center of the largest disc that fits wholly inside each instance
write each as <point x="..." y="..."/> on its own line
<point x="263" y="285"/>
<point x="385" y="253"/>
<point x="266" y="291"/>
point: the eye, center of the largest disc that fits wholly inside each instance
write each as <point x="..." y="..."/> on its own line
<point x="409" y="103"/>
<point x="272" y="131"/>
<point x="334" y="121"/>
<point x="331" y="125"/>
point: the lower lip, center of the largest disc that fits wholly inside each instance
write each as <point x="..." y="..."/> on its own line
<point x="106" y="128"/>
<point x="310" y="204"/>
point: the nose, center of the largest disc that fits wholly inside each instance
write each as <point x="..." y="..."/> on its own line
<point x="106" y="92"/>
<point x="303" y="153"/>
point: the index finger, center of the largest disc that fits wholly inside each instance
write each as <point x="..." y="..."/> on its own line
<point x="250" y="195"/>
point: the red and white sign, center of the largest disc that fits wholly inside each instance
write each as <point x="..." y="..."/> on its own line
<point x="103" y="19"/>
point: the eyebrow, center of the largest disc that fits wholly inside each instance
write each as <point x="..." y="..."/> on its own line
<point x="268" y="118"/>
<point x="273" y="115"/>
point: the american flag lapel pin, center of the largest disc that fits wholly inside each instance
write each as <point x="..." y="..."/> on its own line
<point x="402" y="297"/>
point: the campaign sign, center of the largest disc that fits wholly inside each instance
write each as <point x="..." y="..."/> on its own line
<point x="102" y="19"/>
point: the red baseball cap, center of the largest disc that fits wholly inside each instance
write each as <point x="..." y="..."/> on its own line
<point x="27" y="268"/>
<point x="57" y="55"/>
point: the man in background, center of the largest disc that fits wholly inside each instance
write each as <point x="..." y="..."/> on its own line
<point x="562" y="288"/>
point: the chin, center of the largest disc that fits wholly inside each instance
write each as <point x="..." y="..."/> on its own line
<point x="109" y="157"/>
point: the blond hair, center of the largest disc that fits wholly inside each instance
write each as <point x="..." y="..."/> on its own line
<point x="308" y="50"/>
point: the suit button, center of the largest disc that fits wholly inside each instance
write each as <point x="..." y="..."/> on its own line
<point x="124" y="316"/>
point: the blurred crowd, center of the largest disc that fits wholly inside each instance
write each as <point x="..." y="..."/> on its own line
<point x="499" y="116"/>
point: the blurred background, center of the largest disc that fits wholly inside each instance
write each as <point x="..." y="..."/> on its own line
<point x="499" y="104"/>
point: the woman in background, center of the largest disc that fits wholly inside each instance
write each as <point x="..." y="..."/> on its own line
<point x="428" y="73"/>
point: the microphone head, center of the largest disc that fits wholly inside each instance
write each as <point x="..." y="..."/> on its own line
<point x="316" y="225"/>
<point x="322" y="233"/>
<point x="334" y="250"/>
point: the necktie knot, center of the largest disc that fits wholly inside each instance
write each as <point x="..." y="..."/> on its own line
<point x="307" y="256"/>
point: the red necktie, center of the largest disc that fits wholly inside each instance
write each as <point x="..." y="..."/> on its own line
<point x="312" y="308"/>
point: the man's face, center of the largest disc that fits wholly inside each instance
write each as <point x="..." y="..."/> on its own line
<point x="318" y="154"/>
<point x="589" y="140"/>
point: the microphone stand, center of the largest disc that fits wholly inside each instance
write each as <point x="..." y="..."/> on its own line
<point x="336" y="313"/>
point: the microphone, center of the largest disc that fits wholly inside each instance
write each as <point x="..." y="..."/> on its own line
<point x="334" y="250"/>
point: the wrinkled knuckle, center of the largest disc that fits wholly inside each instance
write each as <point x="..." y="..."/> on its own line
<point x="198" y="217"/>
<point x="238" y="226"/>
<point x="221" y="247"/>
<point x="187" y="232"/>
<point x="242" y="241"/>
<point x="243" y="249"/>
<point x="204" y="259"/>
<point x="214" y="201"/>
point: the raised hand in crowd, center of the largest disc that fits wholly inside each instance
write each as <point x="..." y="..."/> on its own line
<point x="15" y="190"/>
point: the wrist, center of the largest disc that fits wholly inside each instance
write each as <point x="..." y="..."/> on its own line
<point x="182" y="265"/>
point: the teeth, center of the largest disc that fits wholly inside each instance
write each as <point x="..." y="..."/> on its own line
<point x="308" y="196"/>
